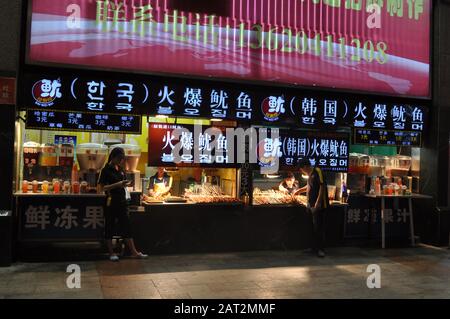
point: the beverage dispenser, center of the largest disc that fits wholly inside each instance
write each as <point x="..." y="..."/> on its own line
<point x="49" y="160"/>
<point x="31" y="160"/>
<point x="92" y="158"/>
<point x="358" y="173"/>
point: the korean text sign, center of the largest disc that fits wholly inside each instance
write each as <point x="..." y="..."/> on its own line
<point x="362" y="45"/>
<point x="195" y="146"/>
<point x="214" y="100"/>
<point x="329" y="151"/>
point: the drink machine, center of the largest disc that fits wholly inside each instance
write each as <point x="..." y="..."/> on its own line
<point x="357" y="173"/>
<point x="31" y="154"/>
<point x="91" y="158"/>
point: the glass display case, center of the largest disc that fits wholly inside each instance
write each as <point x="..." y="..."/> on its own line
<point x="190" y="185"/>
<point x="279" y="189"/>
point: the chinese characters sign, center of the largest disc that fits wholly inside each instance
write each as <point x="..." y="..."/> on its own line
<point x="365" y="45"/>
<point x="87" y="94"/>
<point x="61" y="217"/>
<point x="79" y="121"/>
<point x="205" y="146"/>
<point x="380" y="137"/>
<point x="329" y="151"/>
<point x="363" y="220"/>
<point x="399" y="117"/>
<point x="213" y="100"/>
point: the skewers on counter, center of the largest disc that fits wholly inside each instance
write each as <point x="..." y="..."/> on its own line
<point x="272" y="197"/>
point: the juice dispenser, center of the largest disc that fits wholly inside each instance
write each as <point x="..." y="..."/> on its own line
<point x="91" y="157"/>
<point x="31" y="155"/>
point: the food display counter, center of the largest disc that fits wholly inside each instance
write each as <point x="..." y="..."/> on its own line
<point x="190" y="186"/>
<point x="199" y="228"/>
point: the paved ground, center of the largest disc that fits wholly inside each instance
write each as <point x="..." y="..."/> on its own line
<point x="422" y="272"/>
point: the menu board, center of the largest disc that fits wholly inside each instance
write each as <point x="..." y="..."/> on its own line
<point x="80" y="121"/>
<point x="188" y="145"/>
<point x="246" y="104"/>
<point x="382" y="137"/>
<point x="329" y="151"/>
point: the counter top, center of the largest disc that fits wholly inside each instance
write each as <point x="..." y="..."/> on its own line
<point x="190" y="204"/>
<point x="413" y="196"/>
<point x="332" y="204"/>
<point x="20" y="194"/>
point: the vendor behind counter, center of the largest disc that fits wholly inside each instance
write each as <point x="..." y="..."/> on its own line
<point x="160" y="184"/>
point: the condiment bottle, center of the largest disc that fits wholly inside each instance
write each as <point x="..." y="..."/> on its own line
<point x="74" y="176"/>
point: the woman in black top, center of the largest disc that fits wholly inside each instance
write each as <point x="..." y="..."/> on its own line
<point x="113" y="182"/>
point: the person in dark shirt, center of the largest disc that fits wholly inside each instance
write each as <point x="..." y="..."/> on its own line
<point x="318" y="203"/>
<point x="289" y="185"/>
<point x="113" y="182"/>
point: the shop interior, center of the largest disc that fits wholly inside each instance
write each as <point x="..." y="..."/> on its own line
<point x="56" y="162"/>
<point x="60" y="162"/>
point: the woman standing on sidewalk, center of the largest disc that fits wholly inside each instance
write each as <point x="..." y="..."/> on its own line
<point x="113" y="182"/>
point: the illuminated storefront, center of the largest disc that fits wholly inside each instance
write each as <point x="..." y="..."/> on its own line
<point x="132" y="72"/>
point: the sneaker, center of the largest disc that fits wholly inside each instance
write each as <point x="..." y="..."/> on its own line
<point x="320" y="253"/>
<point x="114" y="258"/>
<point x="140" y="256"/>
<point x="309" y="251"/>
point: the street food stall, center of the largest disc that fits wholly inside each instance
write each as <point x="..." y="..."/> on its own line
<point x="171" y="87"/>
<point x="384" y="177"/>
<point x="57" y="169"/>
<point x="202" y="197"/>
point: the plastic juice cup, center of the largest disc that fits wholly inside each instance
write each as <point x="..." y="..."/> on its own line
<point x="35" y="186"/>
<point x="66" y="186"/>
<point x="84" y="186"/>
<point x="45" y="187"/>
<point x="76" y="187"/>
<point x="56" y="187"/>
<point x="390" y="190"/>
<point x="25" y="187"/>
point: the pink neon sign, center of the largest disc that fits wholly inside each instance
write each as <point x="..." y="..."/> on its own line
<point x="379" y="46"/>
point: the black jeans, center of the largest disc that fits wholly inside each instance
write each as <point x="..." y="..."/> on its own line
<point x="117" y="221"/>
<point x="317" y="224"/>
